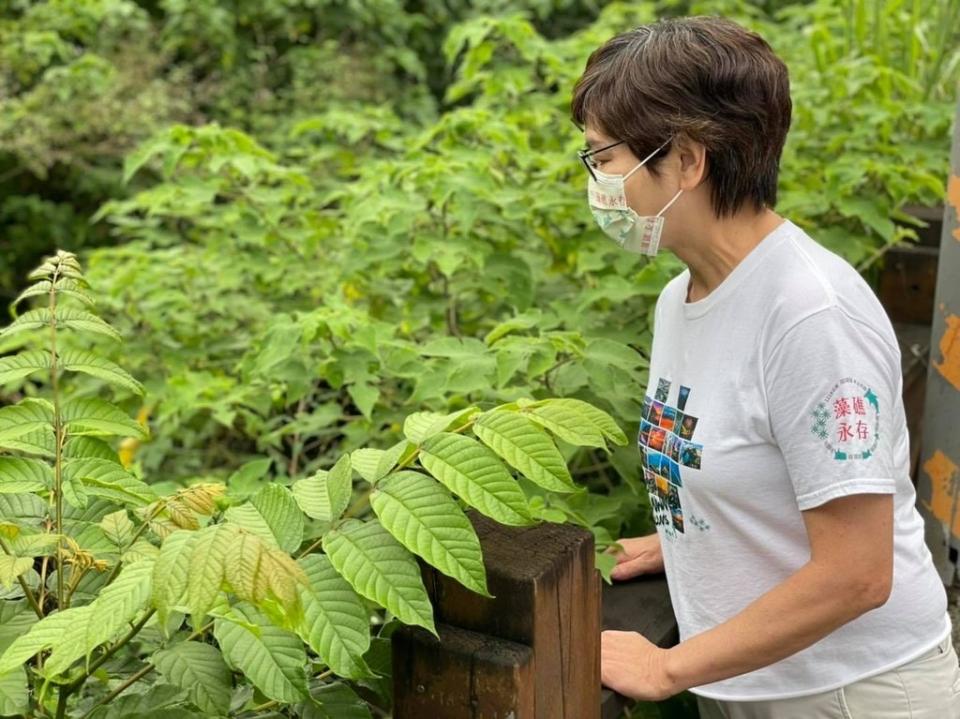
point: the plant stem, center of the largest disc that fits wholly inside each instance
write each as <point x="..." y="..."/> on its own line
<point x="58" y="435"/>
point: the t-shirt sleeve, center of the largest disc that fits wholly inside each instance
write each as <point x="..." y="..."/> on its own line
<point x="831" y="384"/>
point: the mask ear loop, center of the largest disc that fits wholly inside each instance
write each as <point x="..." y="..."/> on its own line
<point x="644" y="160"/>
<point x="679" y="192"/>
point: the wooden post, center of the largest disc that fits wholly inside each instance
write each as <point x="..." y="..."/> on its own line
<point x="531" y="652"/>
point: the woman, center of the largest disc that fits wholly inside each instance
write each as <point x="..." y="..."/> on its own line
<point x="784" y="509"/>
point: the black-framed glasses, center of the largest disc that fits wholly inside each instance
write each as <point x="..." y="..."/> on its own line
<point x="586" y="157"/>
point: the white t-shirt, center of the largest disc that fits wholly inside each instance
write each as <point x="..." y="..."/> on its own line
<point x="780" y="391"/>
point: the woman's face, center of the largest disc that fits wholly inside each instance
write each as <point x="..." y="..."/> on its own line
<point x="646" y="194"/>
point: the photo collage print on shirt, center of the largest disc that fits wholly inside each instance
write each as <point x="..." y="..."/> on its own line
<point x="666" y="444"/>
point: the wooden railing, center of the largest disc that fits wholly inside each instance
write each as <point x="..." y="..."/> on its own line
<point x="532" y="651"/>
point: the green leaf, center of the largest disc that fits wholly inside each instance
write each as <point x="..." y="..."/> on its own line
<point x="475" y="473"/>
<point x="325" y="495"/>
<point x="95" y="414"/>
<point x="72" y="644"/>
<point x="171" y="571"/>
<point x="273" y="515"/>
<point x="364" y="396"/>
<point x="375" y="464"/>
<point x="525" y="447"/>
<point x="65" y="318"/>
<point x="588" y="413"/>
<point x="103" y="478"/>
<point x="23" y="509"/>
<point x="334" y="701"/>
<point x="42" y="635"/>
<point x="565" y="421"/>
<point x="22" y="365"/>
<point x="120" y="601"/>
<point x="207" y="567"/>
<point x="271" y="658"/>
<point x="616" y="354"/>
<point x="423" y="516"/>
<point x="335" y="622"/>
<point x="420" y="426"/>
<point x="90" y="364"/>
<point x="118" y="527"/>
<point x="199" y="668"/>
<point x="13" y="567"/>
<point x="26" y="363"/>
<point x="14" y="693"/>
<point x="380" y="569"/>
<point x="29" y="415"/>
<point x="24" y="475"/>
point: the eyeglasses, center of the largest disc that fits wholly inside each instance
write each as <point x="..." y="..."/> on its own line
<point x="586" y="157"/>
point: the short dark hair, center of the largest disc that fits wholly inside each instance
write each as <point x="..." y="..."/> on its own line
<point x="706" y="77"/>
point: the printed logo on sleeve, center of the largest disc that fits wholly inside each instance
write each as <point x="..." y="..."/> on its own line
<point x="847" y="420"/>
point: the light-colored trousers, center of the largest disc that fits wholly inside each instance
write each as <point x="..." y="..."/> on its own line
<point x="927" y="687"/>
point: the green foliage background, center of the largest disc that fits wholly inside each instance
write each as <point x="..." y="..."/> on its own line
<point x="310" y="218"/>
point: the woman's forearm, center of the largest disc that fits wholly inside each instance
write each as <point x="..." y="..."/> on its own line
<point x="804" y="608"/>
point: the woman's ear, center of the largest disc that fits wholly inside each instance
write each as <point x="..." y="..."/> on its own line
<point x="693" y="162"/>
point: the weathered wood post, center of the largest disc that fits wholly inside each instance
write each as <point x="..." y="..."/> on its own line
<point x="531" y="652"/>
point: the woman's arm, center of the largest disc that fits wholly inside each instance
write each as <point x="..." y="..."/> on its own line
<point x="849" y="573"/>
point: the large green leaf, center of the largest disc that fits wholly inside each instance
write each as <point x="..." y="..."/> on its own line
<point x="72" y="644"/>
<point x="30" y="415"/>
<point x="103" y="478"/>
<point x="272" y="514"/>
<point x="380" y="569"/>
<point x="273" y="659"/>
<point x="65" y="286"/>
<point x="90" y="364"/>
<point x="16" y="618"/>
<point x="120" y="601"/>
<point x="425" y="519"/>
<point x="325" y="495"/>
<point x="525" y="447"/>
<point x="567" y="423"/>
<point x="90" y="413"/>
<point x="23" y="509"/>
<point x="40" y="442"/>
<point x="199" y="668"/>
<point x="171" y="571"/>
<point x="26" y="363"/>
<point x="207" y="567"/>
<point x="587" y="413"/>
<point x="42" y="635"/>
<point x="22" y="365"/>
<point x="65" y="318"/>
<point x="14" y="693"/>
<point x="335" y="622"/>
<point x="476" y="474"/>
<point x="24" y="475"/>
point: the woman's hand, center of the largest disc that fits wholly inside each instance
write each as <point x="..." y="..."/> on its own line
<point x="640" y="555"/>
<point x="633" y="666"/>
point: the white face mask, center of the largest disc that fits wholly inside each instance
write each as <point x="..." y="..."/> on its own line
<point x="608" y="203"/>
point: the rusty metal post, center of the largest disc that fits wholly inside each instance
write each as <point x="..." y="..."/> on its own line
<point x="938" y="485"/>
